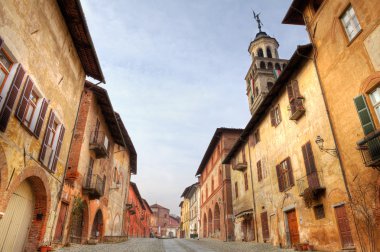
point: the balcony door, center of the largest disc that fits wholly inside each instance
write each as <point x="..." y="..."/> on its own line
<point x="89" y="173"/>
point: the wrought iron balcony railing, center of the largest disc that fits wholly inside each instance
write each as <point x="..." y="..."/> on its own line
<point x="94" y="186"/>
<point x="297" y="108"/>
<point x="370" y="149"/>
<point x="313" y="181"/>
<point x="99" y="143"/>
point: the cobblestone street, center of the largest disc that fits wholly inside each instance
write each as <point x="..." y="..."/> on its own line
<point x="174" y="245"/>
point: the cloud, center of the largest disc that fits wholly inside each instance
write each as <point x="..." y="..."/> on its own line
<point x="175" y="72"/>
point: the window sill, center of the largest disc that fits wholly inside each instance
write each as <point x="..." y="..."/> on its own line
<point x="354" y="38"/>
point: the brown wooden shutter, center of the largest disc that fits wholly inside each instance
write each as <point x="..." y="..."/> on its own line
<point x="236" y="190"/>
<point x="246" y="181"/>
<point x="306" y="159"/>
<point x="290" y="171"/>
<point x="279" y="178"/>
<point x="272" y="117"/>
<point x="290" y="90"/>
<point x="296" y="90"/>
<point x="58" y="148"/>
<point x="24" y="99"/>
<point x="11" y="97"/>
<point x="264" y="225"/>
<point x="311" y="157"/>
<point x="243" y="154"/>
<point x="279" y="114"/>
<point x="46" y="137"/>
<point x="259" y="171"/>
<point x="41" y="118"/>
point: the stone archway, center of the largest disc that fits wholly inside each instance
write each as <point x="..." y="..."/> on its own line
<point x="217" y="219"/>
<point x="204" y="225"/>
<point x="209" y="226"/>
<point x="36" y="179"/>
<point x="97" y="226"/>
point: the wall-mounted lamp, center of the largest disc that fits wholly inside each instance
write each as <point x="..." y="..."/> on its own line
<point x="320" y="142"/>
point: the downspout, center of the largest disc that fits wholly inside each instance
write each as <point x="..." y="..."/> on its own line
<point x="315" y="53"/>
<point x="253" y="193"/>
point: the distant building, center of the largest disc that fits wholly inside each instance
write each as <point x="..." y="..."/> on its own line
<point x="161" y="221"/>
<point x="215" y="185"/>
<point x="190" y="211"/>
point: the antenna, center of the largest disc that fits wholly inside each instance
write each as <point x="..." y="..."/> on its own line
<point x="257" y="18"/>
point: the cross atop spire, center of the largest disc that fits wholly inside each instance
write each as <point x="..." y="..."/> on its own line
<point x="257" y="18"/>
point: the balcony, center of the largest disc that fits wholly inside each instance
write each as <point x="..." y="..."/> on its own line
<point x="297" y="108"/>
<point x="369" y="148"/>
<point x="99" y="144"/>
<point x="94" y="186"/>
<point x="240" y="166"/>
<point x="313" y="181"/>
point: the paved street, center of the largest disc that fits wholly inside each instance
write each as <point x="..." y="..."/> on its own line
<point x="174" y="245"/>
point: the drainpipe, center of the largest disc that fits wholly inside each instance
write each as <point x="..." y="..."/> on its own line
<point x="253" y="193"/>
<point x="314" y="59"/>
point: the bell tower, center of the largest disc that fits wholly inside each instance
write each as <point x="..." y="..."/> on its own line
<point x="265" y="68"/>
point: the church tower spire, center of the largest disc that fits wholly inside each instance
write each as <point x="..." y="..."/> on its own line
<point x="265" y="68"/>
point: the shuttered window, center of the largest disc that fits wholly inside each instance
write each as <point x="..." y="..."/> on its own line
<point x="11" y="96"/>
<point x="285" y="175"/>
<point x="52" y="143"/>
<point x="259" y="171"/>
<point x="295" y="98"/>
<point x="256" y="137"/>
<point x="236" y="190"/>
<point x="308" y="158"/>
<point x="364" y="114"/>
<point x="264" y="225"/>
<point x="32" y="108"/>
<point x="275" y="115"/>
<point x="246" y="181"/>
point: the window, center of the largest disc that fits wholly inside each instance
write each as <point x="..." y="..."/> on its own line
<point x="319" y="212"/>
<point x="350" y="23"/>
<point x="236" y="190"/>
<point x="5" y="66"/>
<point x="259" y="171"/>
<point x="275" y="115"/>
<point x="277" y="66"/>
<point x="295" y="100"/>
<point x="260" y="53"/>
<point x="262" y="65"/>
<point x="52" y="143"/>
<point x="375" y="100"/>
<point x="245" y="181"/>
<point x="285" y="175"/>
<point x="270" y="85"/>
<point x="270" y="66"/>
<point x="212" y="184"/>
<point x="243" y="155"/>
<point x="269" y="52"/>
<point x="32" y="108"/>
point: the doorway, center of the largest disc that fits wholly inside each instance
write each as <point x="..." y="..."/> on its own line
<point x="343" y="226"/>
<point x="293" y="227"/>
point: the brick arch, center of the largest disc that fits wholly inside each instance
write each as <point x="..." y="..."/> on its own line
<point x="98" y="224"/>
<point x="204" y="225"/>
<point x="370" y="83"/>
<point x="38" y="180"/>
<point x="209" y="222"/>
<point x="216" y="218"/>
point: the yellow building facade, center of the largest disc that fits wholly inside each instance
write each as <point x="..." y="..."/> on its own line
<point x="42" y="73"/>
<point x="286" y="188"/>
<point x="346" y="37"/>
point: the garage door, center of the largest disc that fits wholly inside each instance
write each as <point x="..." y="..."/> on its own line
<point x="14" y="225"/>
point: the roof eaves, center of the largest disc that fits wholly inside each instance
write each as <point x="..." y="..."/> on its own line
<point x="294" y="14"/>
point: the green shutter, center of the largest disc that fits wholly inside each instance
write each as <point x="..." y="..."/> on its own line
<point x="364" y="114"/>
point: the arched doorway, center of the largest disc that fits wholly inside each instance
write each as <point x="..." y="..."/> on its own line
<point x="79" y="221"/>
<point x="217" y="220"/>
<point x="204" y="225"/>
<point x="209" y="229"/>
<point x="97" y="226"/>
<point x="14" y="226"/>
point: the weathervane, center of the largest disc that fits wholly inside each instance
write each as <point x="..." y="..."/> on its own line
<point x="257" y="18"/>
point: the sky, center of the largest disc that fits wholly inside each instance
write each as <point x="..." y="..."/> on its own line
<point x="175" y="72"/>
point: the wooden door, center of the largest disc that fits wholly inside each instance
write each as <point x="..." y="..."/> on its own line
<point x="264" y="225"/>
<point x="293" y="227"/>
<point x="61" y="222"/>
<point x="14" y="226"/>
<point x="344" y="226"/>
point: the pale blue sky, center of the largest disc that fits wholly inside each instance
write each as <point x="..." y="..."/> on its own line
<point x="175" y="72"/>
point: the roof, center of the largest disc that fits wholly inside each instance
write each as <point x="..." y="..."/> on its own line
<point x="129" y="144"/>
<point x="134" y="186"/>
<point x="295" y="13"/>
<point x="214" y="141"/>
<point x="294" y="62"/>
<point x="158" y="206"/>
<point x="189" y="189"/>
<point x="147" y="207"/>
<point x="76" y="23"/>
<point x="180" y="204"/>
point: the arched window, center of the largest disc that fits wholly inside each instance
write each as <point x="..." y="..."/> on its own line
<point x="212" y="184"/>
<point x="270" y="65"/>
<point x="262" y="65"/>
<point x="269" y="53"/>
<point x="270" y="85"/>
<point x="277" y="66"/>
<point x="260" y="53"/>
